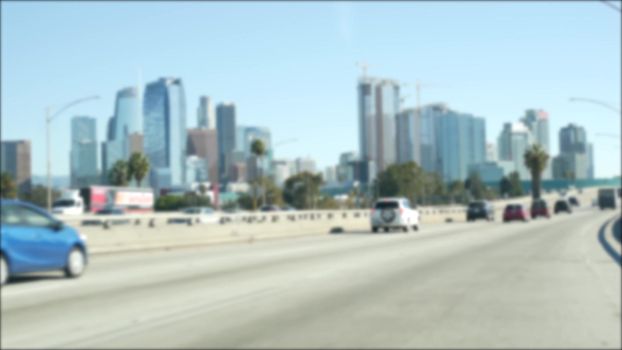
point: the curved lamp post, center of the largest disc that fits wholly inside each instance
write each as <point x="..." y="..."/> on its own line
<point x="48" y="119"/>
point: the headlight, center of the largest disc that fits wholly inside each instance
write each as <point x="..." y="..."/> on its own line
<point x="83" y="237"/>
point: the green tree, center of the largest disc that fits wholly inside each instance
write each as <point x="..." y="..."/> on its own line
<point x="38" y="195"/>
<point x="137" y="167"/>
<point x="7" y="186"/>
<point x="118" y="175"/>
<point x="536" y="160"/>
<point x="505" y="186"/>
<point x="405" y="180"/>
<point x="516" y="189"/>
<point x="456" y="190"/>
<point x="301" y="190"/>
<point x="474" y="186"/>
<point x="327" y="202"/>
<point x="258" y="149"/>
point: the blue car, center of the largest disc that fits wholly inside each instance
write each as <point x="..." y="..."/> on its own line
<point x="32" y="240"/>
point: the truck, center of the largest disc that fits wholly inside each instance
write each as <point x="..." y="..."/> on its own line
<point x="69" y="203"/>
<point x="128" y="199"/>
<point x="93" y="199"/>
<point x="606" y="198"/>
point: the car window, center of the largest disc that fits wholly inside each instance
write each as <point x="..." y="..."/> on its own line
<point x="387" y="205"/>
<point x="9" y="215"/>
<point x="406" y="203"/>
<point x="31" y="217"/>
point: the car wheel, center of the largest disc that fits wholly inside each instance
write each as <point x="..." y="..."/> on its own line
<point x="76" y="263"/>
<point x="4" y="271"/>
<point x="405" y="228"/>
<point x="374" y="229"/>
<point x="386" y="229"/>
<point x="416" y="227"/>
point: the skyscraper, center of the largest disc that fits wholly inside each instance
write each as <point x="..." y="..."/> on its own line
<point x="83" y="153"/>
<point x="378" y="105"/>
<point x="513" y="141"/>
<point x="165" y="132"/>
<point x="460" y="142"/>
<point x="205" y="113"/>
<point x="15" y="159"/>
<point x="408" y="136"/>
<point x="226" y="130"/>
<point x="574" y="159"/>
<point x="126" y="121"/>
<point x="537" y="121"/>
<point x="204" y="144"/>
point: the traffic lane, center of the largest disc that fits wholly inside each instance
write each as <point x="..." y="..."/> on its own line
<point x="536" y="289"/>
<point x="197" y="299"/>
<point x="106" y="272"/>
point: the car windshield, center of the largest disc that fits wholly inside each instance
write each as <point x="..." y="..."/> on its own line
<point x="64" y="203"/>
<point x="477" y="205"/>
<point x="387" y="205"/>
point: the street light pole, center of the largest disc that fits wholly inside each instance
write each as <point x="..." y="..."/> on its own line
<point x="601" y="103"/>
<point x="48" y="120"/>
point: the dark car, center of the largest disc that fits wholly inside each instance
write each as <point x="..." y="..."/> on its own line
<point x="515" y="212"/>
<point x="111" y="211"/>
<point x="573" y="201"/>
<point x="32" y="240"/>
<point x="480" y="210"/>
<point x="562" y="205"/>
<point x="606" y="198"/>
<point x="540" y="208"/>
<point x="270" y="208"/>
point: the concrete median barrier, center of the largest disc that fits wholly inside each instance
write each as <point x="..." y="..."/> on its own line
<point x="109" y="234"/>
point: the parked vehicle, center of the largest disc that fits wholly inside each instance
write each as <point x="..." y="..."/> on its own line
<point x="562" y="205"/>
<point x="32" y="240"/>
<point x="514" y="212"/>
<point x="539" y="208"/>
<point x="392" y="213"/>
<point x="606" y="198"/>
<point x="573" y="201"/>
<point x="480" y="210"/>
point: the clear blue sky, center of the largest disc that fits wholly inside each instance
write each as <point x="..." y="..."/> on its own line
<point x="291" y="66"/>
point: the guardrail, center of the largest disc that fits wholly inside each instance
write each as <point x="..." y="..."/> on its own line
<point x="152" y="220"/>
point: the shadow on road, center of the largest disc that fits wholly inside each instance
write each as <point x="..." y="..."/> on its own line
<point x="617" y="231"/>
<point x="34" y="277"/>
<point x="613" y="253"/>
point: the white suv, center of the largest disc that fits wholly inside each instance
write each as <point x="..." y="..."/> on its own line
<point x="389" y="213"/>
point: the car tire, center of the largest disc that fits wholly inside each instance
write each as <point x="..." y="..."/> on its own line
<point x="386" y="229"/>
<point x="405" y="228"/>
<point x="374" y="229"/>
<point x="4" y="271"/>
<point x="416" y="227"/>
<point x="76" y="263"/>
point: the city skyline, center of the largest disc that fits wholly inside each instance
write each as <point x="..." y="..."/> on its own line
<point x="280" y="114"/>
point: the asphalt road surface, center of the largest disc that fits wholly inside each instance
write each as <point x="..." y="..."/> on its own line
<point x="546" y="283"/>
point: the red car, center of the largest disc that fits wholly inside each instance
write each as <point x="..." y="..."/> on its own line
<point x="539" y="208"/>
<point x="515" y="212"/>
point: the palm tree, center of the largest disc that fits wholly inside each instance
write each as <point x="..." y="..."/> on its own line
<point x="259" y="150"/>
<point x="118" y="173"/>
<point x="536" y="160"/>
<point x="138" y="167"/>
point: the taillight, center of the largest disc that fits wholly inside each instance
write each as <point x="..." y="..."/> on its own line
<point x="401" y="211"/>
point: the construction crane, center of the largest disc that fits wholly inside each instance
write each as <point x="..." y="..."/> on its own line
<point x="363" y="66"/>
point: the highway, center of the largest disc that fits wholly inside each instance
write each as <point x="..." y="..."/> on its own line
<point x="542" y="284"/>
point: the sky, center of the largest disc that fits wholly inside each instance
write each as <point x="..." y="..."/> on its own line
<point x="291" y="66"/>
